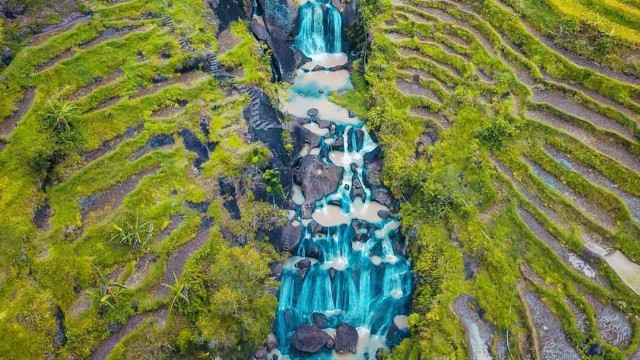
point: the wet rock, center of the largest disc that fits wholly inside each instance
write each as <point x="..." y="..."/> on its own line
<point x="290" y="237"/>
<point x="303" y="266"/>
<point x="379" y="353"/>
<point x="312" y="112"/>
<point x="318" y="68"/>
<point x="60" y="337"/>
<point x="193" y="144"/>
<point x="319" y="320"/>
<point x="276" y="269"/>
<point x="259" y="30"/>
<point x="384" y="214"/>
<point x="231" y="205"/>
<point x="470" y="267"/>
<point x="272" y="342"/>
<point x="338" y="144"/>
<point x="595" y="350"/>
<point x="317" y="179"/>
<point x="265" y="124"/>
<point x="280" y="18"/>
<point x="227" y="11"/>
<point x="351" y="114"/>
<point x="261" y="354"/>
<point x="346" y="339"/>
<point x="309" y="339"/>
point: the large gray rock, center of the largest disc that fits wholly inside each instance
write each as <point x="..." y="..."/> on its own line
<point x="317" y="179"/>
<point x="290" y="237"/>
<point x="346" y="339"/>
<point x="310" y="339"/>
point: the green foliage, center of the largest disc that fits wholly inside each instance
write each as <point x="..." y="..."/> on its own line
<point x="134" y="233"/>
<point x="238" y="308"/>
<point x="496" y="133"/>
<point x="109" y="293"/>
<point x="272" y="179"/>
<point x="178" y="294"/>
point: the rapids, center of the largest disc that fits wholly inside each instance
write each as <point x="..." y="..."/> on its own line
<point x="356" y="276"/>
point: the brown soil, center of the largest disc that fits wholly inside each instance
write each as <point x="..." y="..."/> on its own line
<point x="142" y="269"/>
<point x="111" y="34"/>
<point x="446" y="67"/>
<point x="425" y="113"/>
<point x="592" y="210"/>
<point x="613" y="324"/>
<point x="551" y="341"/>
<point x="527" y="195"/>
<point x="10" y="123"/>
<point x="595" y="177"/>
<point x="166" y="112"/>
<point x="51" y="30"/>
<point x="107" y="345"/>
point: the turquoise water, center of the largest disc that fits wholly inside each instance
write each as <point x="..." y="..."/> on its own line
<point x="356" y="275"/>
<point x="319" y="28"/>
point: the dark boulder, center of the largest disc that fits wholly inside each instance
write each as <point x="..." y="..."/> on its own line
<point x="227" y="11"/>
<point x="310" y="339"/>
<point x="346" y="339"/>
<point x="6" y="55"/>
<point x="265" y="124"/>
<point x="290" y="237"/>
<point x="303" y="266"/>
<point x="317" y="179"/>
<point x="60" y="337"/>
<point x="319" y="320"/>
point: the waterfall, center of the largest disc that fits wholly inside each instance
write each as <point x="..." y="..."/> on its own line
<point x="319" y="29"/>
<point x="352" y="272"/>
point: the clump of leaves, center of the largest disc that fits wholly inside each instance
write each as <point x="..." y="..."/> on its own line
<point x="495" y="134"/>
<point x="59" y="125"/>
<point x="109" y="292"/>
<point x="178" y="294"/>
<point x="272" y="178"/>
<point x="135" y="234"/>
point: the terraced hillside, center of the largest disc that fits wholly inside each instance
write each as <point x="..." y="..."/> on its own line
<point x="518" y="164"/>
<point x="127" y="172"/>
<point x="145" y="172"/>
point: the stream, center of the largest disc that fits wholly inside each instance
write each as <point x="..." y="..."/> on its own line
<point x="345" y="291"/>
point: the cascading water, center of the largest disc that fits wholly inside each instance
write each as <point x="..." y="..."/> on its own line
<point x="354" y="274"/>
<point x="320" y="28"/>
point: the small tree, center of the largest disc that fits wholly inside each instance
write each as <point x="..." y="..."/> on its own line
<point x="272" y="178"/>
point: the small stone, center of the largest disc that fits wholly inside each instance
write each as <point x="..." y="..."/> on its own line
<point x="313" y="112"/>
<point x="272" y="342"/>
<point x="321" y="91"/>
<point x="351" y="114"/>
